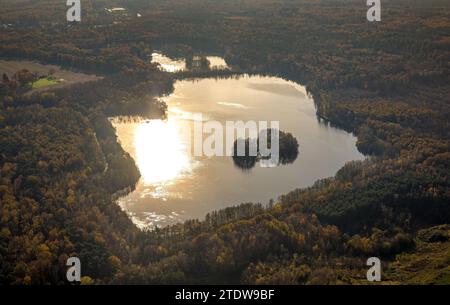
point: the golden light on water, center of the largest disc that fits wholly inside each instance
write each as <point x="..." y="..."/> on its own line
<point x="176" y="184"/>
<point x="161" y="154"/>
<point x="167" y="64"/>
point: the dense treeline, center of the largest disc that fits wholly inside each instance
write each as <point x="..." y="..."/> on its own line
<point x="60" y="162"/>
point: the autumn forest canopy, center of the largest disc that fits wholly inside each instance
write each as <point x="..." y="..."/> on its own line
<point x="62" y="167"/>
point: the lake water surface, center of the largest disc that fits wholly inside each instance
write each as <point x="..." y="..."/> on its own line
<point x="176" y="186"/>
<point x="175" y="65"/>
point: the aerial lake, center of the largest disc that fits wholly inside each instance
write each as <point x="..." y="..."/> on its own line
<point x="175" y="185"/>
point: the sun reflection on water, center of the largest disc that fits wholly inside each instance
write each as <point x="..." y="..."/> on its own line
<point x="161" y="153"/>
<point x="167" y="64"/>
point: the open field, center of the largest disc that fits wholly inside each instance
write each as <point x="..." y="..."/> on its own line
<point x="44" y="82"/>
<point x="62" y="77"/>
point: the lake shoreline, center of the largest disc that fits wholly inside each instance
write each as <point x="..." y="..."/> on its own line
<point x="196" y="78"/>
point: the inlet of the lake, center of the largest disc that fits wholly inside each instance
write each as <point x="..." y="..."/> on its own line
<point x="175" y="185"/>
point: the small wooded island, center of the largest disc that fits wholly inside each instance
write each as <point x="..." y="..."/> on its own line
<point x="288" y="150"/>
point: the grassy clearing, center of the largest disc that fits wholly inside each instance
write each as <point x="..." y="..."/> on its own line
<point x="43" y="82"/>
<point x="428" y="264"/>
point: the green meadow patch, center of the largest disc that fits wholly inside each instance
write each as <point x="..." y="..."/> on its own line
<point x="43" y="82"/>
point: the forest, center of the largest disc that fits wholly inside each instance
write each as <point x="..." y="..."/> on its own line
<point x="61" y="166"/>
